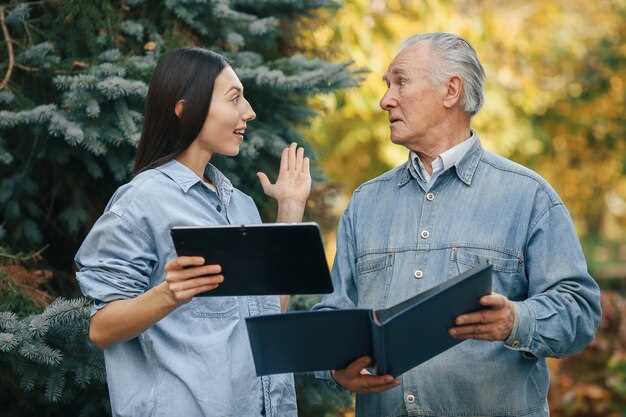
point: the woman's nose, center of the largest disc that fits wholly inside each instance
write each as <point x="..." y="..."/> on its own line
<point x="250" y="114"/>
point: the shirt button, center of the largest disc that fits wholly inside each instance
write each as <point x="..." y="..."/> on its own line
<point x="418" y="274"/>
<point x="425" y="234"/>
<point x="218" y="208"/>
<point x="410" y="398"/>
<point x="515" y="343"/>
<point x="430" y="196"/>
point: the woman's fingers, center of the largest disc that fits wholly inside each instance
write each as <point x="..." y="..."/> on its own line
<point x="299" y="159"/>
<point x="265" y="182"/>
<point x="196" y="282"/>
<point x="183" y="262"/>
<point x="305" y="166"/>
<point x="284" y="160"/>
<point x="189" y="294"/>
<point x="292" y="156"/>
<point x="184" y="274"/>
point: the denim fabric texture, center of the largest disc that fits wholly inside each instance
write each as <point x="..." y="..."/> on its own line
<point x="399" y="237"/>
<point x="197" y="360"/>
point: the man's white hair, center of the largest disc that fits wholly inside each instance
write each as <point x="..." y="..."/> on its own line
<point x="457" y="57"/>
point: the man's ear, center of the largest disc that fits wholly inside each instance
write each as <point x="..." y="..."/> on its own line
<point x="454" y="90"/>
<point x="179" y="107"/>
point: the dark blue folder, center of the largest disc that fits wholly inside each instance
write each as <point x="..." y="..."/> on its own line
<point x="398" y="338"/>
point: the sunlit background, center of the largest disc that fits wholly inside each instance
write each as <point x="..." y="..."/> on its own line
<point x="73" y="79"/>
<point x="555" y="93"/>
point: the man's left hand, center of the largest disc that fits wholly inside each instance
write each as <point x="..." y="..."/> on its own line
<point x="493" y="323"/>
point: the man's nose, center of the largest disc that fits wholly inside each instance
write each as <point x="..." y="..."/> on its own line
<point x="387" y="102"/>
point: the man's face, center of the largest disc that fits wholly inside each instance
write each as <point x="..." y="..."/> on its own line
<point x="414" y="103"/>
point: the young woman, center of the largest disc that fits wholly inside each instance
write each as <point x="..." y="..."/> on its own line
<point x="166" y="352"/>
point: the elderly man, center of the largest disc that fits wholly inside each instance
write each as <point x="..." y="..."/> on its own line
<point x="450" y="206"/>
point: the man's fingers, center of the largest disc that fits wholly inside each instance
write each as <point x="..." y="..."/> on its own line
<point x="482" y="332"/>
<point x="385" y="387"/>
<point x="494" y="300"/>
<point x="182" y="262"/>
<point x="482" y="316"/>
<point x="371" y="383"/>
<point x="469" y="330"/>
<point x="354" y="369"/>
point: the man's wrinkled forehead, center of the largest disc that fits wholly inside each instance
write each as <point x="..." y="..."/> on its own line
<point x="413" y="59"/>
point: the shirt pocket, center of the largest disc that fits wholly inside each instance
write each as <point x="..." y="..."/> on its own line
<point x="215" y="307"/>
<point x="374" y="272"/>
<point x="508" y="270"/>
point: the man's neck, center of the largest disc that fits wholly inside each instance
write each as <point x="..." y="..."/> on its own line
<point x="438" y="141"/>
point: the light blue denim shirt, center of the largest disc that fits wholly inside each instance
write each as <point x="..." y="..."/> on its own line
<point x="396" y="239"/>
<point x="442" y="162"/>
<point x="197" y="360"/>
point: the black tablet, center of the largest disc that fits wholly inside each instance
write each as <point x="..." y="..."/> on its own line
<point x="260" y="259"/>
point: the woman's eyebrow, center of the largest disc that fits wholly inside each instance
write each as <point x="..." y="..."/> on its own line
<point x="234" y="88"/>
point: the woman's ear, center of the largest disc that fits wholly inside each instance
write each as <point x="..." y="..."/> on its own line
<point x="179" y="107"/>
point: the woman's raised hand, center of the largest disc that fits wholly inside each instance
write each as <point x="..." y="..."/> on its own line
<point x="187" y="276"/>
<point x="294" y="179"/>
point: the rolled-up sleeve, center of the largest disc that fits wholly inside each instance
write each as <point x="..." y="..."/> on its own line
<point x="115" y="261"/>
<point x="562" y="311"/>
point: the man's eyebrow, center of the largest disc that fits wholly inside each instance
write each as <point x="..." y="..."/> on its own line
<point x="239" y="89"/>
<point x="399" y="71"/>
<point x="394" y="71"/>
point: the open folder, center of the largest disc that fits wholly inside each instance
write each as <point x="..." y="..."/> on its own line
<point x="397" y="338"/>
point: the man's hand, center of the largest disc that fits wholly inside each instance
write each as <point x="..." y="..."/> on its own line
<point x="356" y="378"/>
<point x="492" y="323"/>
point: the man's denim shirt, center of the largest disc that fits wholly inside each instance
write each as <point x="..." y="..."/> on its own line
<point x="396" y="240"/>
<point x="197" y="360"/>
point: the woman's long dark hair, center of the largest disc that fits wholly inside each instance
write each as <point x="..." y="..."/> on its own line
<point x="182" y="74"/>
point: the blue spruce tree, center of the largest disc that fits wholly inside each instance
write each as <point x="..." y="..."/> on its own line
<point x="73" y="77"/>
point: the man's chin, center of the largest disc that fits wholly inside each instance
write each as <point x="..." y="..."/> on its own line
<point x="398" y="140"/>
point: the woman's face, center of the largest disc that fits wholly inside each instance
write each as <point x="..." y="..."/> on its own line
<point x="225" y="125"/>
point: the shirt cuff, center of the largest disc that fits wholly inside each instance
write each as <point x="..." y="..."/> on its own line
<point x="96" y="305"/>
<point x="523" y="330"/>
<point x="328" y="378"/>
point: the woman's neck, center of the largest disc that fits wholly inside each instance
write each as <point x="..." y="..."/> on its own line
<point x="195" y="159"/>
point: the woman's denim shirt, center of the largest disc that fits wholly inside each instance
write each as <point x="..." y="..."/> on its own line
<point x="197" y="360"/>
<point x="398" y="238"/>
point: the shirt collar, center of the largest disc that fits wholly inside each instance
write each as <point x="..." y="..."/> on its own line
<point x="463" y="156"/>
<point x="185" y="178"/>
